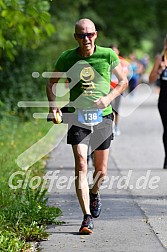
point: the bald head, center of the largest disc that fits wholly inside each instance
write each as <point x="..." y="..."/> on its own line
<point x="84" y="25"/>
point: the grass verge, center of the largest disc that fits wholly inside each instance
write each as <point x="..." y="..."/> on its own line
<point x="24" y="212"/>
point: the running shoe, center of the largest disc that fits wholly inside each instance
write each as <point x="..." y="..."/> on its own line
<point x="87" y="225"/>
<point x="95" y="204"/>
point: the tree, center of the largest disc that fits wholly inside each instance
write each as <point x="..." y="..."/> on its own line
<point x="24" y="24"/>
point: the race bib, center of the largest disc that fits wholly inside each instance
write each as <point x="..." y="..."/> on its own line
<point x="90" y="117"/>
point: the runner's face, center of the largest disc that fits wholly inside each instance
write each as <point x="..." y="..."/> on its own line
<point x="86" y="43"/>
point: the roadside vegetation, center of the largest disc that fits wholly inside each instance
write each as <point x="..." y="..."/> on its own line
<point x="24" y="211"/>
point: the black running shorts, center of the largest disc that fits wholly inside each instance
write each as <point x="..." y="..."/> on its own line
<point x="98" y="137"/>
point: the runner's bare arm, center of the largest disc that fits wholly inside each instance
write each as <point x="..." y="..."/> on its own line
<point x="122" y="82"/>
<point x="51" y="94"/>
<point x="156" y="70"/>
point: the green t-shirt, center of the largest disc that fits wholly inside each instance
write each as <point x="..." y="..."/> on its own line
<point x="89" y="78"/>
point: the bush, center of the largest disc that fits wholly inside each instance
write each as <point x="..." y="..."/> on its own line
<point x="18" y="84"/>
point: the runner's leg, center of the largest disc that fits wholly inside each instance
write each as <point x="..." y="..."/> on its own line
<point x="81" y="183"/>
<point x="100" y="162"/>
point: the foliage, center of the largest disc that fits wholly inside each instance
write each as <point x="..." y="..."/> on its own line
<point x="24" y="212"/>
<point x="127" y="23"/>
<point x="24" y="24"/>
<point x="19" y="85"/>
<point x="24" y="215"/>
<point x="160" y="22"/>
<point x="9" y="242"/>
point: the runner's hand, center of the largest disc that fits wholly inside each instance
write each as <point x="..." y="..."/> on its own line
<point x="102" y="102"/>
<point x="55" y="115"/>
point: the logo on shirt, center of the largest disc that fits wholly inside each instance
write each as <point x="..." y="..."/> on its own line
<point x="87" y="75"/>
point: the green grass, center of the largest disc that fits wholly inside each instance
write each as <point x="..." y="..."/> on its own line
<point x="24" y="213"/>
